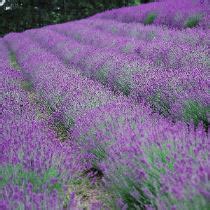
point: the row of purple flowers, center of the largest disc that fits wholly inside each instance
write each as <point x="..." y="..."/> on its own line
<point x="147" y="160"/>
<point x="170" y="75"/>
<point x="175" y="14"/>
<point x="35" y="167"/>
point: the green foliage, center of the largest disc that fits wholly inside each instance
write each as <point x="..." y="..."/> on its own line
<point x="155" y="153"/>
<point x="126" y="192"/>
<point x="27" y="85"/>
<point x="134" y="2"/>
<point x="22" y="177"/>
<point x="99" y="153"/>
<point x="13" y="61"/>
<point x="61" y="130"/>
<point x="192" y="21"/>
<point x="70" y="122"/>
<point x="151" y="183"/>
<point x="102" y="75"/>
<point x="159" y="104"/>
<point x="124" y="86"/>
<point x="150" y="18"/>
<point x="196" y="112"/>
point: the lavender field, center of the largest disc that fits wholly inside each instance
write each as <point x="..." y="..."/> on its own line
<point x="108" y="112"/>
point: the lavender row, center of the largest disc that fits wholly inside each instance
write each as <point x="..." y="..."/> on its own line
<point x="69" y="94"/>
<point x="67" y="91"/>
<point x="138" y="31"/>
<point x="147" y="161"/>
<point x="58" y="84"/>
<point x="175" y="14"/>
<point x="167" y="169"/>
<point x="102" y="33"/>
<point x="162" y="53"/>
<point x="179" y="92"/>
<point x="35" y="167"/>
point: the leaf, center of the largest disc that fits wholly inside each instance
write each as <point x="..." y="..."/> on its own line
<point x="49" y="174"/>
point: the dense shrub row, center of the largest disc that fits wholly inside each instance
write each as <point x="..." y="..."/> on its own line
<point x="178" y="14"/>
<point x="170" y="76"/>
<point x="35" y="167"/>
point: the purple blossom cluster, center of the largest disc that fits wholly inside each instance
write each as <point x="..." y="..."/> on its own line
<point x="35" y="167"/>
<point x="123" y="93"/>
<point x="138" y="61"/>
<point x="175" y="14"/>
<point x="160" y="167"/>
<point x="170" y="74"/>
